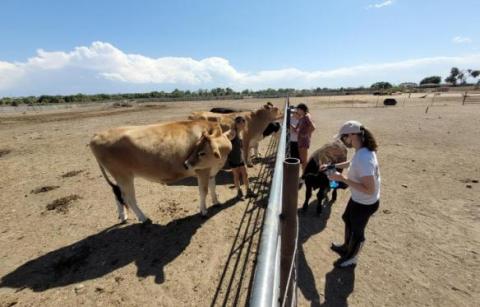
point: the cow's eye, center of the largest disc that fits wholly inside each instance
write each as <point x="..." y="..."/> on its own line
<point x="201" y="153"/>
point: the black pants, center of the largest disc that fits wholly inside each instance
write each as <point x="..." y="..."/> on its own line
<point x="356" y="217"/>
<point x="294" y="150"/>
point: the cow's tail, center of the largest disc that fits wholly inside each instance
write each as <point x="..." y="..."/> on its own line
<point x="115" y="188"/>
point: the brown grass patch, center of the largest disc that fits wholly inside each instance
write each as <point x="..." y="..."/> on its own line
<point x="62" y="204"/>
<point x="122" y="105"/>
<point x="44" y="189"/>
<point x="4" y="151"/>
<point x="72" y="173"/>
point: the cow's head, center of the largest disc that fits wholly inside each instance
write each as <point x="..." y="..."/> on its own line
<point x="269" y="112"/>
<point x="209" y="150"/>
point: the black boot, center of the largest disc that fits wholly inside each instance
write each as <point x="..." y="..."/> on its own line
<point x="342" y="249"/>
<point x="351" y="257"/>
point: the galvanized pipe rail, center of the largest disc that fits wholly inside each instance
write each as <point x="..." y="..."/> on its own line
<point x="266" y="283"/>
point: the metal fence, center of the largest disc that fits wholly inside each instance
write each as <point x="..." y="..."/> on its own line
<point x="275" y="273"/>
<point x="471" y="98"/>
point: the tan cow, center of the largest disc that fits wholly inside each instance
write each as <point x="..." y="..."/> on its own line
<point x="256" y="122"/>
<point x="162" y="153"/>
<point x="210" y="116"/>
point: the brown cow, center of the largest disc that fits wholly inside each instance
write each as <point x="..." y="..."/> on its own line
<point x="256" y="122"/>
<point x="162" y="153"/>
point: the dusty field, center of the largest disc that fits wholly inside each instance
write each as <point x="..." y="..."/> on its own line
<point x="422" y="246"/>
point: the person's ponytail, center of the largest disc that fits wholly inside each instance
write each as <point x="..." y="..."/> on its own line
<point x="368" y="140"/>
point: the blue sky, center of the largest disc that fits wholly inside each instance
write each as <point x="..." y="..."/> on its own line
<point x="64" y="47"/>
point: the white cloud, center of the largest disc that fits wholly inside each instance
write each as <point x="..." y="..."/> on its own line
<point x="380" y="5"/>
<point x="461" y="40"/>
<point x="103" y="68"/>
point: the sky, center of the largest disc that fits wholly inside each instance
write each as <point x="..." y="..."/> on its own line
<point x="67" y="47"/>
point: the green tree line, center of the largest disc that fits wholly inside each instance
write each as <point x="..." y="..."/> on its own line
<point x="456" y="77"/>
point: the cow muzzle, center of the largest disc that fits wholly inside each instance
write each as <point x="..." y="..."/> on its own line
<point x="187" y="165"/>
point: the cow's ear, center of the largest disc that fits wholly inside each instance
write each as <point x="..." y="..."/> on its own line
<point x="205" y="134"/>
<point x="225" y="127"/>
<point x="216" y="154"/>
<point x="217" y="132"/>
<point x="227" y="133"/>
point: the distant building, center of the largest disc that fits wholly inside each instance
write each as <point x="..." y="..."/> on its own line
<point x="430" y="85"/>
<point x="408" y="84"/>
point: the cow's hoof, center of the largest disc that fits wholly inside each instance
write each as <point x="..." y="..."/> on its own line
<point x="123" y="222"/>
<point x="203" y="216"/>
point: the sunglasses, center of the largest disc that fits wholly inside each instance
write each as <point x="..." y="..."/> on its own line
<point x="344" y="136"/>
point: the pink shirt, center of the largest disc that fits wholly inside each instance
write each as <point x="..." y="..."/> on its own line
<point x="305" y="129"/>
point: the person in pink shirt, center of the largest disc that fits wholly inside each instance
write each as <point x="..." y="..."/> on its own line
<point x="304" y="130"/>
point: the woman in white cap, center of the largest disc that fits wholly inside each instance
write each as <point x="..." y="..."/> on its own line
<point x="363" y="179"/>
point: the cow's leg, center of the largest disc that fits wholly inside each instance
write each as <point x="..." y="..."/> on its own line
<point x="122" y="214"/>
<point x="255" y="150"/>
<point x="211" y="187"/>
<point x="119" y="196"/>
<point x="128" y="191"/>
<point x="203" y="180"/>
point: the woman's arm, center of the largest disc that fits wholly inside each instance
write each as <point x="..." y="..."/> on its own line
<point x="231" y="135"/>
<point x="341" y="165"/>
<point x="311" y="125"/>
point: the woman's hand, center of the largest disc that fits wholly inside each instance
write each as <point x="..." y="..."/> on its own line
<point x="336" y="176"/>
<point x="323" y="167"/>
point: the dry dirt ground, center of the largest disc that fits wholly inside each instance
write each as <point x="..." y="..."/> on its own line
<point x="59" y="242"/>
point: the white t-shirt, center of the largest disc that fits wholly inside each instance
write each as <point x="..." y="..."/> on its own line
<point x="364" y="163"/>
<point x="293" y="134"/>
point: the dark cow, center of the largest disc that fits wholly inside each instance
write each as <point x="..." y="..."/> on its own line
<point x="334" y="152"/>
<point x="271" y="129"/>
<point x="225" y="110"/>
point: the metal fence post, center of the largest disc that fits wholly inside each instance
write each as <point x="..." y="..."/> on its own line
<point x="291" y="167"/>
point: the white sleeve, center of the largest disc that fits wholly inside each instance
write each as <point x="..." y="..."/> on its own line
<point x="366" y="165"/>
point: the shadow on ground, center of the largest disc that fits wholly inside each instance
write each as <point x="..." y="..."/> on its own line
<point x="236" y="280"/>
<point x="150" y="247"/>
<point x="223" y="177"/>
<point x="339" y="283"/>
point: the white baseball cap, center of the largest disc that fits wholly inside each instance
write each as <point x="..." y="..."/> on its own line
<point x="351" y="126"/>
